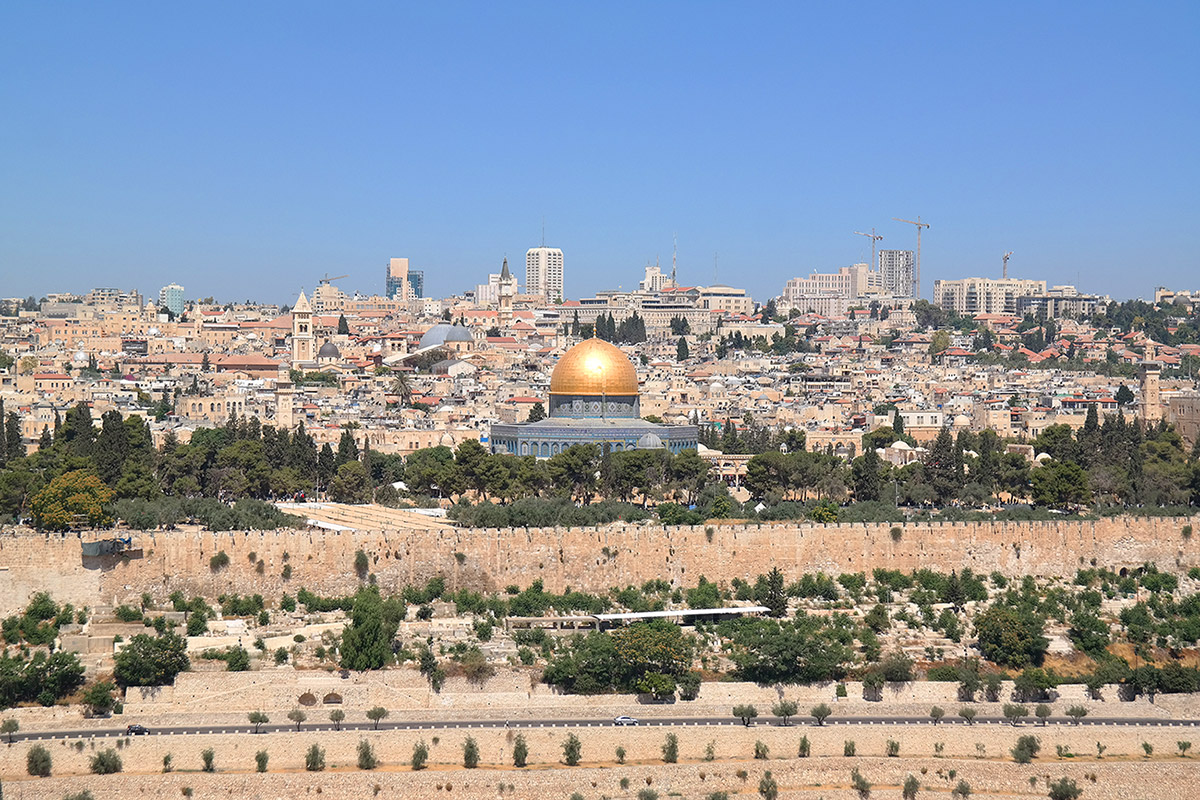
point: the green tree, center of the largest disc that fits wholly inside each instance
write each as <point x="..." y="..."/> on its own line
<point x="537" y="413"/>
<point x="350" y="484"/>
<point x="571" y="748"/>
<point x="376" y="714"/>
<point x="470" y="750"/>
<point x="520" y="751"/>
<point x="768" y="789"/>
<point x="670" y="749"/>
<point x="105" y="762"/>
<point x="1011" y="637"/>
<point x="367" y="640"/>
<point x="337" y="717"/>
<point x="366" y="755"/>
<point x="745" y="712"/>
<point x="343" y="327"/>
<point x="314" y="759"/>
<point x="151" y="660"/>
<point x="420" y="755"/>
<point x="297" y="716"/>
<point x="75" y="497"/>
<point x="820" y="713"/>
<point x="258" y="719"/>
<point x="681" y="350"/>
<point x="775" y="598"/>
<point x="260" y="760"/>
<point x="99" y="698"/>
<point x="9" y="727"/>
<point x="38" y="761"/>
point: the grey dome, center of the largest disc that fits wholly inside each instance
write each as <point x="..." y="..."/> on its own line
<point x="329" y="350"/>
<point x="444" y="332"/>
<point x="650" y="441"/>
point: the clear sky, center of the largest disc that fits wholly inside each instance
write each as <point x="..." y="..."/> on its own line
<point x="246" y="149"/>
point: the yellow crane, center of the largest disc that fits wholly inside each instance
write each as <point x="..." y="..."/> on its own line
<point x="917" y="267"/>
<point x="874" y="239"/>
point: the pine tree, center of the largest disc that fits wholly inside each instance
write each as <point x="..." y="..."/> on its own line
<point x="943" y="467"/>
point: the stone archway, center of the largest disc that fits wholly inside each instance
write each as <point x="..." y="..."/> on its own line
<point x="332" y="699"/>
<point x="308" y="699"/>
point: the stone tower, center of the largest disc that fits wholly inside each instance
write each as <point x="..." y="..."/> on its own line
<point x="1151" y="397"/>
<point x="508" y="288"/>
<point x="304" y="343"/>
<point x="285" y="415"/>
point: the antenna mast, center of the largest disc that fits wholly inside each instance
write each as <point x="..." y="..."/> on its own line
<point x="674" y="256"/>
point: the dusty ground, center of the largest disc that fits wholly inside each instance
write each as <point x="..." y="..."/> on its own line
<point x="1124" y="773"/>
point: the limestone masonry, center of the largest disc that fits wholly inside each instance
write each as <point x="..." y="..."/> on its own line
<point x="585" y="559"/>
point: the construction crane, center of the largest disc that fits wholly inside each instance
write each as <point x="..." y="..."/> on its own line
<point x="874" y="239"/>
<point x="326" y="280"/>
<point x="1006" y="255"/>
<point x="917" y="267"/>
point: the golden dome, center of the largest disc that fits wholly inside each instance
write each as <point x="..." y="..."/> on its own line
<point x="594" y="367"/>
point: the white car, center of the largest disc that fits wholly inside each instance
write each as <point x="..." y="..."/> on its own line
<point x="624" y="720"/>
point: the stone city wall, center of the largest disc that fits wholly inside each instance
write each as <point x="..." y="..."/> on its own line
<point x="587" y="559"/>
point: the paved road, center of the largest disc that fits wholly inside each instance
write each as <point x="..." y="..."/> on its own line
<point x="797" y="722"/>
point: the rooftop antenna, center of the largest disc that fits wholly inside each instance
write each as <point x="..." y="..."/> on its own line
<point x="714" y="267"/>
<point x="543" y="231"/>
<point x="1006" y="255"/>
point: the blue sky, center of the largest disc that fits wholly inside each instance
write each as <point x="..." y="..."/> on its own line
<point x="246" y="149"/>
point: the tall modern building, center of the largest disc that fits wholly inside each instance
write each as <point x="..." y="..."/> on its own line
<point x="896" y="268"/>
<point x="399" y="280"/>
<point x="416" y="282"/>
<point x="544" y="273"/>
<point x="170" y="297"/>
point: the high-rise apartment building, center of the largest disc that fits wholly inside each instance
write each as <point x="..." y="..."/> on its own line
<point x="896" y="269"/>
<point x="398" y="283"/>
<point x="544" y="273"/>
<point x="416" y="282"/>
<point x="971" y="296"/>
<point x="170" y="297"/>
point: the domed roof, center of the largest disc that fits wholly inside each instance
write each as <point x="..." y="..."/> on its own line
<point x="329" y="350"/>
<point x="594" y="367"/>
<point x="445" y="332"/>
<point x="650" y="441"/>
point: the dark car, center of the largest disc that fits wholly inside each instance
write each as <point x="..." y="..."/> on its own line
<point x="136" y="730"/>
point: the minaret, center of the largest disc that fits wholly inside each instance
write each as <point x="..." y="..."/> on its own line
<point x="507" y="290"/>
<point x="1151" y="405"/>
<point x="304" y="343"/>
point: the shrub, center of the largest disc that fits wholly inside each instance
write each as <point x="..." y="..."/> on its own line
<point x="761" y="751"/>
<point x="962" y="790"/>
<point x="849" y="748"/>
<point x="105" y="762"/>
<point x="893" y="748"/>
<point x="366" y="755"/>
<point x="167" y="759"/>
<point x="1026" y="749"/>
<point x="470" y="750"/>
<point x="260" y="760"/>
<point x="207" y="757"/>
<point x="768" y="789"/>
<point x="859" y="783"/>
<point x="1064" y="789"/>
<point x="38" y="762"/>
<point x="219" y="561"/>
<point x="521" y="751"/>
<point x="909" y="790"/>
<point x="1148" y="748"/>
<point x="314" y="759"/>
<point x="571" y="747"/>
<point x="420" y="755"/>
<point x="670" y="749"/>
<point x="1183" y="748"/>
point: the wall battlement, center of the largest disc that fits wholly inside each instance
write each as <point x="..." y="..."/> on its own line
<point x="585" y="559"/>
